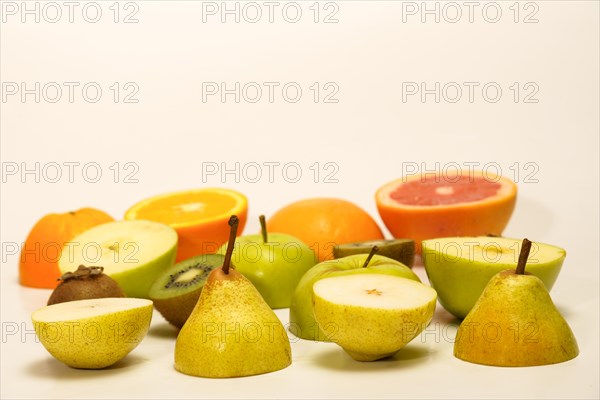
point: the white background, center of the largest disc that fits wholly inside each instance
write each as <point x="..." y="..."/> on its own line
<point x="370" y="136"/>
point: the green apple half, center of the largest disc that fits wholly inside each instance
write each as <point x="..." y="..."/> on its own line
<point x="372" y="316"/>
<point x="302" y="319"/>
<point x="459" y="268"/>
<point x="133" y="253"/>
<point x="92" y="333"/>
<point x="274" y="267"/>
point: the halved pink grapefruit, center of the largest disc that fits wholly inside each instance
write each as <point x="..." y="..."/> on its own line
<point x="460" y="203"/>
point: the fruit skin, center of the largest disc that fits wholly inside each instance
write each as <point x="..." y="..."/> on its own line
<point x="465" y="219"/>
<point x="381" y="332"/>
<point x="302" y="319"/>
<point x="515" y="324"/>
<point x="76" y="342"/>
<point x="460" y="281"/>
<point x="38" y="264"/>
<point x="401" y="250"/>
<point x="205" y="237"/>
<point x="85" y="283"/>
<point x="275" y="267"/>
<point x="231" y="332"/>
<point x="137" y="280"/>
<point x="177" y="309"/>
<point x="322" y="223"/>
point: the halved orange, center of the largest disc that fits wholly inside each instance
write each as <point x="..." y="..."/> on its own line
<point x="459" y="203"/>
<point x="199" y="216"/>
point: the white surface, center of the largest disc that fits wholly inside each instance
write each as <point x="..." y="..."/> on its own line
<point x="370" y="136"/>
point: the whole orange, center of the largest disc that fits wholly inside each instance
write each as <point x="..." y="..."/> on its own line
<point x="322" y="223"/>
<point x="38" y="264"/>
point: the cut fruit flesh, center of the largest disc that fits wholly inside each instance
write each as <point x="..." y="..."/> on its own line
<point x="82" y="309"/>
<point x="185" y="276"/>
<point x="118" y="246"/>
<point x="374" y="291"/>
<point x="499" y="251"/>
<point x="188" y="208"/>
<point x="432" y="191"/>
<point x="468" y="203"/>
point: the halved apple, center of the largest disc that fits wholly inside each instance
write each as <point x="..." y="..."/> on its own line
<point x="133" y="253"/>
<point x="372" y="316"/>
<point x="459" y="268"/>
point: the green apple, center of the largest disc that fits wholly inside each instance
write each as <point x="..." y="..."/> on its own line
<point x="93" y="333"/>
<point x="273" y="262"/>
<point x="133" y="253"/>
<point x="372" y="316"/>
<point x="459" y="268"/>
<point x="302" y="320"/>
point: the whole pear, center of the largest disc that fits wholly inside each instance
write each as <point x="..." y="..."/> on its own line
<point x="232" y="331"/>
<point x="515" y="323"/>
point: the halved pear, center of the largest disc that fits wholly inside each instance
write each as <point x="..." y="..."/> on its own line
<point x="372" y="316"/>
<point x="133" y="253"/>
<point x="95" y="333"/>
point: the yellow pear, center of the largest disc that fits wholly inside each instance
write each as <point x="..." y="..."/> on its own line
<point x="232" y="331"/>
<point x="515" y="323"/>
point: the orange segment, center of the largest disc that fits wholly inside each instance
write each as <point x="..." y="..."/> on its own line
<point x="199" y="216"/>
<point x="469" y="203"/>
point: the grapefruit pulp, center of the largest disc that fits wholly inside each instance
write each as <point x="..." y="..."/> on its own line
<point x="468" y="203"/>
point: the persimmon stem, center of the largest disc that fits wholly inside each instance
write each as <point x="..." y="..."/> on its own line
<point x="233" y="223"/>
<point x="263" y="228"/>
<point x="525" y="249"/>
<point x="374" y="250"/>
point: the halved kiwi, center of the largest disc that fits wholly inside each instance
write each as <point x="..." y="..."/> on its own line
<point x="176" y="291"/>
<point x="402" y="250"/>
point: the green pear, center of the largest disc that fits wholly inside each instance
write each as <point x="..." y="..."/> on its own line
<point x="92" y="333"/>
<point x="372" y="316"/>
<point x="515" y="323"/>
<point x="302" y="319"/>
<point x="232" y="331"/>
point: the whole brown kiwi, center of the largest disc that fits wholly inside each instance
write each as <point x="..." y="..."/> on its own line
<point x="85" y="283"/>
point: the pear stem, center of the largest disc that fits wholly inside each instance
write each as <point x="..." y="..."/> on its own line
<point x="525" y="249"/>
<point x="263" y="228"/>
<point x="374" y="250"/>
<point x="233" y="223"/>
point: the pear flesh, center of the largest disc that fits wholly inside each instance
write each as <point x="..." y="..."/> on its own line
<point x="372" y="316"/>
<point x="93" y="334"/>
<point x="231" y="332"/>
<point x="515" y="324"/>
